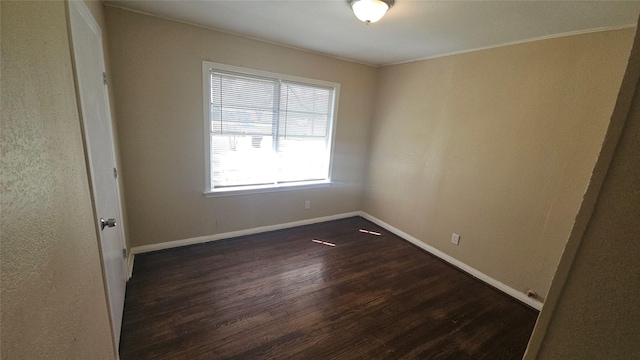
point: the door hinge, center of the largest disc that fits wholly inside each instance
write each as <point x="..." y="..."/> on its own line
<point x="124" y="253"/>
<point x="104" y="77"/>
<point x="115" y="173"/>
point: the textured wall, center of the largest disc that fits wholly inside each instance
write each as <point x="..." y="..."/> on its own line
<point x="157" y="74"/>
<point x="53" y="300"/>
<point x="594" y="302"/>
<point x="497" y="146"/>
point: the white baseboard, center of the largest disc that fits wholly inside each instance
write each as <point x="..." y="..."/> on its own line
<point x="130" y="261"/>
<point x="457" y="263"/>
<point x="231" y="234"/>
<point x="430" y="249"/>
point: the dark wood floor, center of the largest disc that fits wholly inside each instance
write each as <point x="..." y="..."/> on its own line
<point x="278" y="295"/>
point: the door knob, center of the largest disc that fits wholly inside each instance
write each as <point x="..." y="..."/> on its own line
<point x="107" y="223"/>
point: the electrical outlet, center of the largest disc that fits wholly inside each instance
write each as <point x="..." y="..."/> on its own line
<point x="307" y="204"/>
<point x="455" y="239"/>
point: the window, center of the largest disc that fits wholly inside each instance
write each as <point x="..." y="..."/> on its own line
<point x="266" y="130"/>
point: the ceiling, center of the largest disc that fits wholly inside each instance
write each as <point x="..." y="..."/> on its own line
<point x="411" y="30"/>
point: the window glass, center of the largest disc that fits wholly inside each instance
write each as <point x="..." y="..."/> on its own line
<point x="267" y="130"/>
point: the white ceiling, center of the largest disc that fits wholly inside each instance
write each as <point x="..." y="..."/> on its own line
<point x="411" y="30"/>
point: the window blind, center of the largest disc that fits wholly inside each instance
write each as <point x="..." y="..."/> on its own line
<point x="268" y="130"/>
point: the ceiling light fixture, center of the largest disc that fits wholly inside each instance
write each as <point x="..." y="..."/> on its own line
<point x="370" y="11"/>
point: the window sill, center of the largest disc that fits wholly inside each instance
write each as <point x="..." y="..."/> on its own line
<point x="247" y="190"/>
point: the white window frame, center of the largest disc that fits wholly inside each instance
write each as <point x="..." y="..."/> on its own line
<point x="207" y="66"/>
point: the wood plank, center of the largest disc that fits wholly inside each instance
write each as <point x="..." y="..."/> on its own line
<point x="280" y="295"/>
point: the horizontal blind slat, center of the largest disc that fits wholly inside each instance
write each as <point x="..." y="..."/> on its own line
<point x="242" y="104"/>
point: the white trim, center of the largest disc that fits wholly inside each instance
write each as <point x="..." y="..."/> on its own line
<point x="457" y="263"/>
<point x="546" y="37"/>
<point x="206" y="98"/>
<point x="232" y="234"/>
<point x="266" y="74"/>
<point x="247" y="190"/>
<point x="130" y="261"/>
<point x="207" y="68"/>
<point x="430" y="249"/>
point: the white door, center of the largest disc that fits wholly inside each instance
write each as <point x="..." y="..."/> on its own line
<point x="96" y="118"/>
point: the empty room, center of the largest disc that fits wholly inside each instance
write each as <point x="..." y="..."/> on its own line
<point x="320" y="179"/>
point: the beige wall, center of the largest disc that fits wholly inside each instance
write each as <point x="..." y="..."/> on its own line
<point x="592" y="310"/>
<point x="53" y="302"/>
<point x="157" y="76"/>
<point x="497" y="146"/>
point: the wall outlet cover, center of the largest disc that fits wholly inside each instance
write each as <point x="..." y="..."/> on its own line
<point x="455" y="239"/>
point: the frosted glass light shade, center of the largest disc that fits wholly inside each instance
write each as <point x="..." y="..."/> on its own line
<point x="369" y="11"/>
